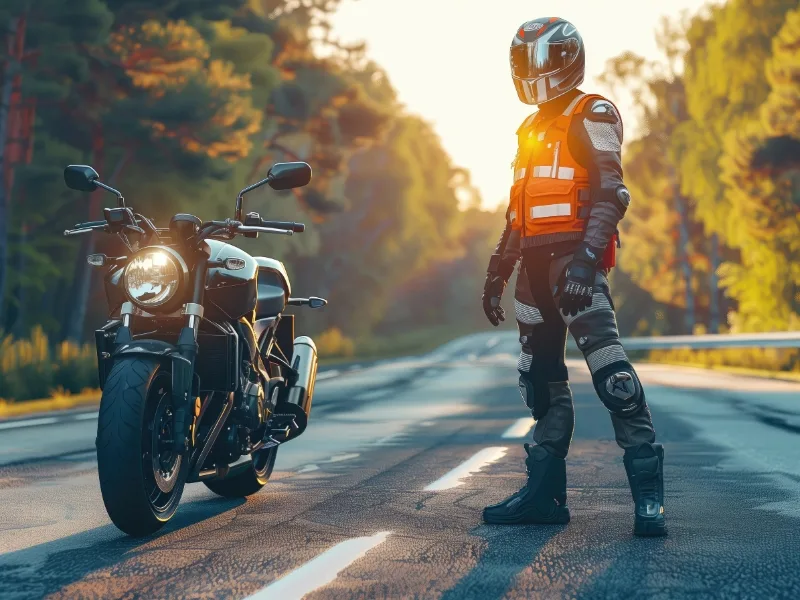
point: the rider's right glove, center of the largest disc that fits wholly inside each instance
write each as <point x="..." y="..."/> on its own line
<point x="496" y="280"/>
<point x="492" y="294"/>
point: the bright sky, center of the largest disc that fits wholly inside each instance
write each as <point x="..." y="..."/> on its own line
<point x="448" y="60"/>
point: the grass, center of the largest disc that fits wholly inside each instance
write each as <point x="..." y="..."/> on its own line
<point x="86" y="399"/>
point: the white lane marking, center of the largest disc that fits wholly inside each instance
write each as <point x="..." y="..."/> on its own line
<point x="321" y="570"/>
<point x="29" y="423"/>
<point x="473" y="465"/>
<point x="333" y="459"/>
<point x="86" y="417"/>
<point x="519" y="429"/>
<point x="327" y="374"/>
<point x="493" y="342"/>
<point x="341" y="457"/>
<point x="392" y="437"/>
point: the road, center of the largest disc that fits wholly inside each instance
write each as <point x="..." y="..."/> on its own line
<point x="382" y="497"/>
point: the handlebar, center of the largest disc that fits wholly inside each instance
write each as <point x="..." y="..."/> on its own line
<point x="254" y="228"/>
<point x="85" y="228"/>
<point x="208" y="229"/>
<point x="290" y="225"/>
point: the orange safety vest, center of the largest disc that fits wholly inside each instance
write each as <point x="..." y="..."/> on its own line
<point x="550" y="194"/>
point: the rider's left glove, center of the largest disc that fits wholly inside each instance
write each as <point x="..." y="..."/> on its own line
<point x="578" y="289"/>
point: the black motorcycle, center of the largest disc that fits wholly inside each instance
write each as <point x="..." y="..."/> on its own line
<point x="201" y="374"/>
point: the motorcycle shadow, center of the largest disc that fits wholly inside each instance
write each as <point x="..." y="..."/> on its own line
<point x="70" y="564"/>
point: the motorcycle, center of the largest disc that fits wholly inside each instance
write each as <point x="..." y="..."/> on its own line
<point x="202" y="377"/>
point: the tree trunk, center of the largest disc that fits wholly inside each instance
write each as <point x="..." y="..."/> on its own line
<point x="19" y="326"/>
<point x="83" y="271"/>
<point x="713" y="285"/>
<point x="5" y="107"/>
<point x="683" y="258"/>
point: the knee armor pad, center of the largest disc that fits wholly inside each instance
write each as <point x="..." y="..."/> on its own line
<point x="619" y="389"/>
<point x="535" y="394"/>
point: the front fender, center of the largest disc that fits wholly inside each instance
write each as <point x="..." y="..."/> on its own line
<point x="165" y="353"/>
<point x="162" y="351"/>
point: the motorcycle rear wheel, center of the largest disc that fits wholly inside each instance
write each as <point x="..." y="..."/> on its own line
<point x="249" y="481"/>
<point x="141" y="476"/>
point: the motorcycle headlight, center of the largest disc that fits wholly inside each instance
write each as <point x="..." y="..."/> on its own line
<point x="153" y="277"/>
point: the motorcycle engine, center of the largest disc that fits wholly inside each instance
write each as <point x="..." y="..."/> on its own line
<point x="253" y="404"/>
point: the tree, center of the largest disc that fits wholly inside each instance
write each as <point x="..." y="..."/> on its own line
<point x="40" y="62"/>
<point x="763" y="193"/>
<point x="663" y="247"/>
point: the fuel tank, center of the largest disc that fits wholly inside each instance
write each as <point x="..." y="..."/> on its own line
<point x="230" y="294"/>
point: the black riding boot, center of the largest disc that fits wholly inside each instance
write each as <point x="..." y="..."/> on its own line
<point x="644" y="465"/>
<point x="544" y="497"/>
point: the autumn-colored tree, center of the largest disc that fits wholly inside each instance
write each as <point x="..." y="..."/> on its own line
<point x="762" y="189"/>
<point x="664" y="250"/>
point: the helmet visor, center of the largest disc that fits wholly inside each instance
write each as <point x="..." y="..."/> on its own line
<point x="535" y="59"/>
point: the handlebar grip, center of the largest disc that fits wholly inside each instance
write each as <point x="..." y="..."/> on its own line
<point x="291" y="226"/>
<point x="90" y="224"/>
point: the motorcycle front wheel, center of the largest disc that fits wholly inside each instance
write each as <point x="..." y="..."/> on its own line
<point x="141" y="476"/>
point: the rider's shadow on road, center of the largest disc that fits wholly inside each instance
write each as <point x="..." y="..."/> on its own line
<point x="509" y="551"/>
<point x="90" y="557"/>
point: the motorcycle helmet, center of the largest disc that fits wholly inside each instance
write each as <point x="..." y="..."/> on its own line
<point x="547" y="59"/>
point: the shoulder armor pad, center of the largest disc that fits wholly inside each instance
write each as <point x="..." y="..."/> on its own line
<point x="603" y="111"/>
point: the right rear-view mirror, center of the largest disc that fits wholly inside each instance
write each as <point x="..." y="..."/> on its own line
<point x="81" y="178"/>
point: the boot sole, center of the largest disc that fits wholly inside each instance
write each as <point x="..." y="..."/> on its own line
<point x="650" y="529"/>
<point x="559" y="517"/>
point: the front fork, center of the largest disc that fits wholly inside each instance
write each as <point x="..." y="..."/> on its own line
<point x="183" y="361"/>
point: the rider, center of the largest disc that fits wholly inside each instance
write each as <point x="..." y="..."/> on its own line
<point x="565" y="204"/>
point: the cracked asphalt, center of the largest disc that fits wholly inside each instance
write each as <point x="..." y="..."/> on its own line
<point x="378" y="436"/>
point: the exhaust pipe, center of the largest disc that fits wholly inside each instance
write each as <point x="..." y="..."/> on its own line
<point x="298" y="397"/>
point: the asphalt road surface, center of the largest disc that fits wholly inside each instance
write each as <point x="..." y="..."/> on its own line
<point x="382" y="497"/>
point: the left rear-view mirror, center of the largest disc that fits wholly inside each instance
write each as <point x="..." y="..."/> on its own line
<point x="285" y="176"/>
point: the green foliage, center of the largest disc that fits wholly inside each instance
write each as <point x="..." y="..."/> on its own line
<point x="32" y="369"/>
<point x="730" y="124"/>
<point x="181" y="104"/>
<point x="764" y="201"/>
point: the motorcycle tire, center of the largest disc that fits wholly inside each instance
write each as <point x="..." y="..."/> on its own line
<point x="141" y="477"/>
<point x="250" y="480"/>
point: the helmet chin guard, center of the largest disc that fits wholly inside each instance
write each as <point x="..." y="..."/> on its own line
<point x="547" y="58"/>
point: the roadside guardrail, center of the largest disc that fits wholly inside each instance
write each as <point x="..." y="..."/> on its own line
<point x="777" y="339"/>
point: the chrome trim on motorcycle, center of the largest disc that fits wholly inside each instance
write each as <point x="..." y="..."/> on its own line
<point x="125" y="312"/>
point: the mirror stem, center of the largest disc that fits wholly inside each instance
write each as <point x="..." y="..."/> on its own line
<point x="238" y="215"/>
<point x="249" y="188"/>
<point x="108" y="188"/>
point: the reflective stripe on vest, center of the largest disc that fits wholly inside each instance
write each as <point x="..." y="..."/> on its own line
<point x="573" y="104"/>
<point x="550" y="210"/>
<point x="547" y="172"/>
